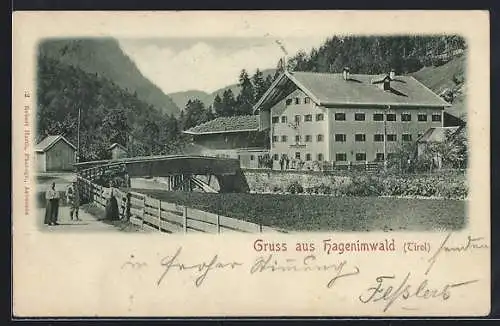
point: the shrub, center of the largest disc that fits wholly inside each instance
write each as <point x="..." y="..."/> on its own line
<point x="295" y="188"/>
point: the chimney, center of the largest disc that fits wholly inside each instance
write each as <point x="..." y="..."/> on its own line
<point x="345" y="73"/>
<point x="392" y="74"/>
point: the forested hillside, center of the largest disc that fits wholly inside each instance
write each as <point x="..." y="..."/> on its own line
<point x="105" y="57"/>
<point x="108" y="113"/>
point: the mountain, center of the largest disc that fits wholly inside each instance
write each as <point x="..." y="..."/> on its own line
<point x="449" y="80"/>
<point x="103" y="56"/>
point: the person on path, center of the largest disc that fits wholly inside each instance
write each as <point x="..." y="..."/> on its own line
<point x="287" y="161"/>
<point x="282" y="161"/>
<point x="112" y="211"/>
<point x="73" y="199"/>
<point x="52" y="207"/>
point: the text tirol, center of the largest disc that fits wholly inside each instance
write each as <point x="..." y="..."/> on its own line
<point x="328" y="246"/>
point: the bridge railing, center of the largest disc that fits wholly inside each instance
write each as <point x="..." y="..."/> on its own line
<point x="156" y="215"/>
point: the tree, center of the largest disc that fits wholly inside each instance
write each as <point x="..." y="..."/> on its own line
<point x="246" y="99"/>
<point x="228" y="103"/>
<point x="195" y="114"/>
<point x="259" y="84"/>
<point x="218" y="106"/>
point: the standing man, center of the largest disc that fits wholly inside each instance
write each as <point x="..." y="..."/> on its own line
<point x="52" y="208"/>
<point x="73" y="199"/>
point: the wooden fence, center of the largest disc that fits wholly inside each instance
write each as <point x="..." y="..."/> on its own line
<point x="156" y="215"/>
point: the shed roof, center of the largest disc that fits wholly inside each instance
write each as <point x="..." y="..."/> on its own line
<point x="226" y="124"/>
<point x="330" y="89"/>
<point x="438" y="134"/>
<point x="115" y="145"/>
<point x="50" y="141"/>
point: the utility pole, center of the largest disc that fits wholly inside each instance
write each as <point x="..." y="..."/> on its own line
<point x="385" y="137"/>
<point x="78" y="137"/>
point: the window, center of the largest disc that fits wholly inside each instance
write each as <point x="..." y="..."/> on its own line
<point x="308" y="138"/>
<point x="436" y="117"/>
<point x="422" y="117"/>
<point x="378" y="137"/>
<point x="297" y="100"/>
<point x="379" y="157"/>
<point x="359" y="116"/>
<point x="275" y="139"/>
<point x="320" y="157"/>
<point x="391" y="116"/>
<point x="360" y="156"/>
<point x="284" y="119"/>
<point x="308" y="117"/>
<point x="276" y="119"/>
<point x="341" y="157"/>
<point x="297" y="155"/>
<point x="378" y="117"/>
<point x="252" y="157"/>
<point x="360" y="137"/>
<point x="239" y="157"/>
<point x="284" y="139"/>
<point x="391" y="137"/>
<point x="405" y="117"/>
<point x="319" y="137"/>
<point x="406" y="137"/>
<point x="297" y="138"/>
<point x="275" y="157"/>
<point x="340" y="137"/>
<point x="320" y="117"/>
<point x="288" y="101"/>
<point x="297" y="118"/>
<point x="340" y="116"/>
<point x="308" y="157"/>
<point x="307" y="100"/>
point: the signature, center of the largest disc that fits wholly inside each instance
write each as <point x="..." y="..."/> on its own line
<point x="307" y="264"/>
<point x="405" y="291"/>
<point x="470" y="244"/>
<point x="201" y="269"/>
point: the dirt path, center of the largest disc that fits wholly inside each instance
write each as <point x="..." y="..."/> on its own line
<point x="88" y="222"/>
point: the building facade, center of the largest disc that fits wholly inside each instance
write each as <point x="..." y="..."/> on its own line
<point x="55" y="153"/>
<point x="339" y="118"/>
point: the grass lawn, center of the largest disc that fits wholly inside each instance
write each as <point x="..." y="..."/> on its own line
<point x="324" y="213"/>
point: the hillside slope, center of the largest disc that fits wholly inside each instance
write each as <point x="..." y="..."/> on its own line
<point x="105" y="57"/>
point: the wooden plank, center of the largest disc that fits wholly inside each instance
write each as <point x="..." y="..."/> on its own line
<point x="148" y="227"/>
<point x="171" y="227"/>
<point x="269" y="229"/>
<point x="137" y="195"/>
<point x="168" y="216"/>
<point x="151" y="211"/>
<point x="151" y="220"/>
<point x="152" y="202"/>
<point x="196" y="214"/>
<point x="239" y="225"/>
<point x="201" y="226"/>
<point x="135" y="211"/>
<point x="136" y="221"/>
<point x="171" y="207"/>
<point x="226" y="230"/>
<point x="189" y="230"/>
<point x="136" y="202"/>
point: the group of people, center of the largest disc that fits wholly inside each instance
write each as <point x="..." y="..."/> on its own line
<point x="52" y="196"/>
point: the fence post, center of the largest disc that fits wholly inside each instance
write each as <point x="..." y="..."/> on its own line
<point x="218" y="224"/>
<point x="143" y="209"/>
<point x="159" y="215"/>
<point x="184" y="216"/>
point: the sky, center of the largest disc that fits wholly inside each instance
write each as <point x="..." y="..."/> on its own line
<point x="207" y="64"/>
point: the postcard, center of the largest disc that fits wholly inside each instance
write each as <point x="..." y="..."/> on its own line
<point x="251" y="163"/>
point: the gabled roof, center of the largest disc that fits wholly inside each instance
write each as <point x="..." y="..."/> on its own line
<point x="50" y="141"/>
<point x="115" y="145"/>
<point x="226" y="124"/>
<point x="330" y="89"/>
<point x="437" y="135"/>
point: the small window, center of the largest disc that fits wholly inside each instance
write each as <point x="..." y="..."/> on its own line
<point x="405" y="117"/>
<point x="360" y="156"/>
<point x="340" y="116"/>
<point x="359" y="116"/>
<point x="297" y="155"/>
<point x="422" y="117"/>
<point x="284" y="119"/>
<point x="319" y="138"/>
<point x="378" y="117"/>
<point x="379" y="157"/>
<point x="252" y="157"/>
<point x="239" y="157"/>
<point x="275" y="139"/>
<point x="391" y="137"/>
<point x="360" y="137"/>
<point x="308" y="157"/>
<point x="297" y="100"/>
<point x="297" y="138"/>
<point x="391" y="116"/>
<point x="308" y="138"/>
<point x="378" y="137"/>
<point x="308" y="117"/>
<point x="320" y="157"/>
<point x="406" y="137"/>
<point x="320" y="117"/>
<point x="436" y="117"/>
<point x="342" y="157"/>
<point x="340" y="137"/>
<point x="307" y="100"/>
<point x="284" y="139"/>
<point x="276" y="157"/>
<point x="276" y="119"/>
<point x="288" y="101"/>
<point x="297" y="118"/>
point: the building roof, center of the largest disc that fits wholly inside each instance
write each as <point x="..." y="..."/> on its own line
<point x="226" y="124"/>
<point x="437" y="135"/>
<point x="115" y="145"/>
<point x="330" y="89"/>
<point x="50" y="141"/>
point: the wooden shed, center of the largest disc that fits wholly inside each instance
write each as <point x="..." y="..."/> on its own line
<point x="55" y="153"/>
<point x="118" y="151"/>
